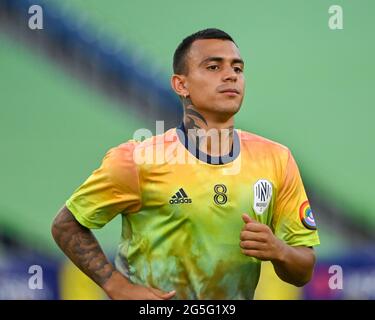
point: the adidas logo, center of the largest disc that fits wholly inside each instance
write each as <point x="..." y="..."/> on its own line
<point x="180" y="197"/>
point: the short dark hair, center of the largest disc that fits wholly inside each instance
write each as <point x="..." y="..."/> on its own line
<point x="179" y="57"/>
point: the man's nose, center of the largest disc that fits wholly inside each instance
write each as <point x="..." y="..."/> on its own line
<point x="230" y="75"/>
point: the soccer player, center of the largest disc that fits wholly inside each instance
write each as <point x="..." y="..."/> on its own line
<point x="202" y="204"/>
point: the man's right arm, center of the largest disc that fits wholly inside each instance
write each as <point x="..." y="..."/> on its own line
<point x="81" y="246"/>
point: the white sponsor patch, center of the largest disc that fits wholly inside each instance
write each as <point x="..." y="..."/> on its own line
<point x="262" y="195"/>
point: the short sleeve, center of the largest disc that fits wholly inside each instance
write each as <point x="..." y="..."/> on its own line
<point x="111" y="189"/>
<point x="293" y="220"/>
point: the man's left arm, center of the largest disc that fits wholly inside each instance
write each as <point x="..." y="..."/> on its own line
<point x="294" y="265"/>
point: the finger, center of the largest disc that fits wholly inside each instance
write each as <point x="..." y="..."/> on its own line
<point x="154" y="297"/>
<point x="253" y="253"/>
<point x="163" y="294"/>
<point x="169" y="295"/>
<point x="246" y="218"/>
<point x="154" y="294"/>
<point x="254" y="227"/>
<point x="255" y="236"/>
<point x="252" y="245"/>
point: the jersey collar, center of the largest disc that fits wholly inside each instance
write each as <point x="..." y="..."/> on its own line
<point x="202" y="156"/>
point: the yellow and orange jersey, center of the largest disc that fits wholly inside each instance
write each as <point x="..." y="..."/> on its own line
<point x="181" y="216"/>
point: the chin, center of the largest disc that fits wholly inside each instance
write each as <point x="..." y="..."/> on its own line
<point x="228" y="109"/>
<point x="222" y="109"/>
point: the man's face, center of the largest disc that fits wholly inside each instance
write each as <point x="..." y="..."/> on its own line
<point x="215" y="79"/>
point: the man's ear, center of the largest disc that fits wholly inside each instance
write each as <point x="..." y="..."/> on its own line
<point x="178" y="83"/>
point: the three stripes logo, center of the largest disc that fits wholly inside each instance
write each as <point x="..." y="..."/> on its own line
<point x="180" y="197"/>
<point x="262" y="195"/>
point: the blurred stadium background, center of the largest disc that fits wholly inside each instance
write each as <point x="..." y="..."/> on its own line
<point x="99" y="70"/>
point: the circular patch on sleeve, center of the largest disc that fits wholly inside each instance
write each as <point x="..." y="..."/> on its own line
<point x="306" y="216"/>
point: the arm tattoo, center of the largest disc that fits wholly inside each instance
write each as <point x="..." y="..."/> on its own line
<point x="81" y="246"/>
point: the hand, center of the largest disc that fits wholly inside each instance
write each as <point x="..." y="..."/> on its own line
<point x="258" y="241"/>
<point x="119" y="288"/>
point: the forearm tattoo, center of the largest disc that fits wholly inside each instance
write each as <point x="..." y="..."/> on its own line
<point x="81" y="246"/>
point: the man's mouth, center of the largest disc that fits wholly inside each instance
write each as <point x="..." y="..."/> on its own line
<point x="230" y="92"/>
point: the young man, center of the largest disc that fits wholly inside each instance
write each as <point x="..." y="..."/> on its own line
<point x="197" y="223"/>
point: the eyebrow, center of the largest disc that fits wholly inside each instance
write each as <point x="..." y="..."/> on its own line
<point x="220" y="59"/>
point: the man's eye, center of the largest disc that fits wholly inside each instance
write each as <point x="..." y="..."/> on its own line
<point x="213" y="67"/>
<point x="238" y="69"/>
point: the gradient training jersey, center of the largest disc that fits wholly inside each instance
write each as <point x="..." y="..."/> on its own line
<point x="181" y="216"/>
